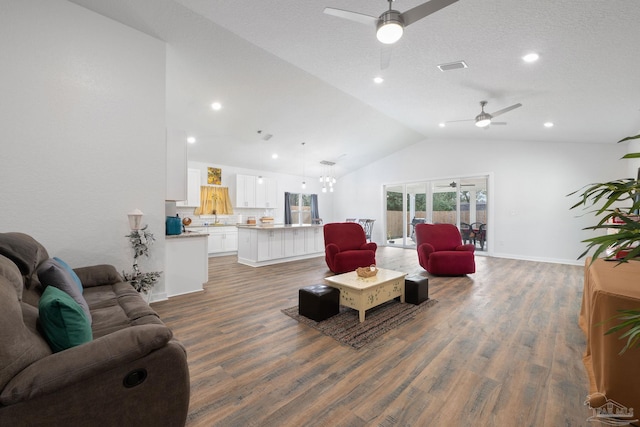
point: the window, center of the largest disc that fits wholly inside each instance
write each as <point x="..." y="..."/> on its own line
<point x="300" y="208"/>
<point x="459" y="201"/>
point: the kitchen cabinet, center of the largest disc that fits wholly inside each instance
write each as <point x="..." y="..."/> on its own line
<point x="194" y="181"/>
<point x="252" y="194"/>
<point x="222" y="239"/>
<point x="270" y="245"/>
<point x="186" y="263"/>
<point x="314" y="239"/>
<point x="266" y="193"/>
<point x="295" y="242"/>
<point x="245" y="191"/>
<point x="247" y="244"/>
<point x="176" y="166"/>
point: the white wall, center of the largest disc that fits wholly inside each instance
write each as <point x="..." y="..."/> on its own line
<point x="82" y="131"/>
<point x="528" y="201"/>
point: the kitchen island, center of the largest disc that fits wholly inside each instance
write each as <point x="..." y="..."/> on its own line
<point x="266" y="244"/>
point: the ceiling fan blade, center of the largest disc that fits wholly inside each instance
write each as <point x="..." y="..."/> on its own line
<point x="425" y="9"/>
<point x="506" y="110"/>
<point x="498" y="123"/>
<point x="455" y="121"/>
<point x="352" y="16"/>
<point x="385" y="56"/>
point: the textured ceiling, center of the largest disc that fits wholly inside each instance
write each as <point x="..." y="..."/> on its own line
<point x="285" y="67"/>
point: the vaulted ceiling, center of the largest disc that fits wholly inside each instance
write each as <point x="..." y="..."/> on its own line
<point x="287" y="69"/>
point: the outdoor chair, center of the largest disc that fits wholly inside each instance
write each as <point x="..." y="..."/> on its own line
<point x="479" y="234"/>
<point x="465" y="232"/>
<point x="414" y="222"/>
<point x="367" y="226"/>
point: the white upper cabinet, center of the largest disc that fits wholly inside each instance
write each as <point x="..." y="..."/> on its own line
<point x="176" y="165"/>
<point x="266" y="193"/>
<point x="194" y="180"/>
<point x="245" y="191"/>
<point x="252" y="194"/>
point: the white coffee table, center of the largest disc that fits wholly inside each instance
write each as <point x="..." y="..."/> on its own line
<point x="362" y="293"/>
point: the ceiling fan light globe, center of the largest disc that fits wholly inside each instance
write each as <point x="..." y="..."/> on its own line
<point x="389" y="33"/>
<point x="483" y="123"/>
<point x="483" y="120"/>
<point x="390" y="27"/>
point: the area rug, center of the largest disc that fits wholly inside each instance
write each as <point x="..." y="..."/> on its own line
<point x="346" y="328"/>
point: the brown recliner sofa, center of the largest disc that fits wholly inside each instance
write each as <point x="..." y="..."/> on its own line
<point x="131" y="373"/>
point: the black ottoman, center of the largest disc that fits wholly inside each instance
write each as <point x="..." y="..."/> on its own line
<point x="416" y="289"/>
<point x="318" y="302"/>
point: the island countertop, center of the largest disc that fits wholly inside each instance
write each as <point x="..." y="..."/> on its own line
<point x="277" y="226"/>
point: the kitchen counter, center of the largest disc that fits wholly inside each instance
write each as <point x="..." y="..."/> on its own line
<point x="277" y="226"/>
<point x="187" y="233"/>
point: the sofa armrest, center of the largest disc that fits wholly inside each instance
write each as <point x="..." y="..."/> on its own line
<point x="98" y="275"/>
<point x="466" y="248"/>
<point x="76" y="364"/>
<point x="370" y="246"/>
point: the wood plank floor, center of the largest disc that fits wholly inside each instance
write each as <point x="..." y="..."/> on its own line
<point x="502" y="347"/>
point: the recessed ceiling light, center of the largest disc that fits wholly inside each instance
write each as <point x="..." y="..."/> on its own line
<point x="216" y="106"/>
<point x="441" y="125"/>
<point x="531" y="57"/>
<point x="191" y="140"/>
<point x="548" y="125"/>
<point x="378" y="79"/>
<point x="274" y="156"/>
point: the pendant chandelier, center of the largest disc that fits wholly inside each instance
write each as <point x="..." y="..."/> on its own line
<point x="304" y="178"/>
<point x="327" y="178"/>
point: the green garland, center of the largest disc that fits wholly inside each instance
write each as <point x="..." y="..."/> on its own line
<point x="140" y="241"/>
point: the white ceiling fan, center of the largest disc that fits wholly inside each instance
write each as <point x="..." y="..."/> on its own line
<point x="390" y="25"/>
<point x="454" y="184"/>
<point x="483" y="120"/>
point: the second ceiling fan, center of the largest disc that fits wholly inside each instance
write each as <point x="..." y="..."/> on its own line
<point x="484" y="119"/>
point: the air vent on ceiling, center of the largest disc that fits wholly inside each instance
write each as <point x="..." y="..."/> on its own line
<point x="266" y="136"/>
<point x="452" y="66"/>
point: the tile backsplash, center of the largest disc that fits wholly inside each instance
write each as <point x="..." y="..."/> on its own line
<point x="239" y="216"/>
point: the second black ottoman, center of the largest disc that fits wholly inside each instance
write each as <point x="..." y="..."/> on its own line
<point x="416" y="289"/>
<point x="318" y="302"/>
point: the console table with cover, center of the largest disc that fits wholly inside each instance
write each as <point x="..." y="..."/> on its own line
<point x="608" y="288"/>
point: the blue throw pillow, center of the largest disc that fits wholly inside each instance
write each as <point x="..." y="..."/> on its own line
<point x="62" y="320"/>
<point x="73" y="274"/>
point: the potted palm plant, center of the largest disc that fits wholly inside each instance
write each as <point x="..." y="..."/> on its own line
<point x="617" y="203"/>
<point x="606" y="200"/>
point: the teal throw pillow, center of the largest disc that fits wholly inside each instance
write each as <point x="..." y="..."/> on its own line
<point x="73" y="274"/>
<point x="62" y="320"/>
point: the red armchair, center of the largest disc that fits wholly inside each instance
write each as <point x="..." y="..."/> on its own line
<point x="346" y="247"/>
<point x="441" y="252"/>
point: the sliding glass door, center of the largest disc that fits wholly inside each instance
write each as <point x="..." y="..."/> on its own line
<point x="459" y="201"/>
